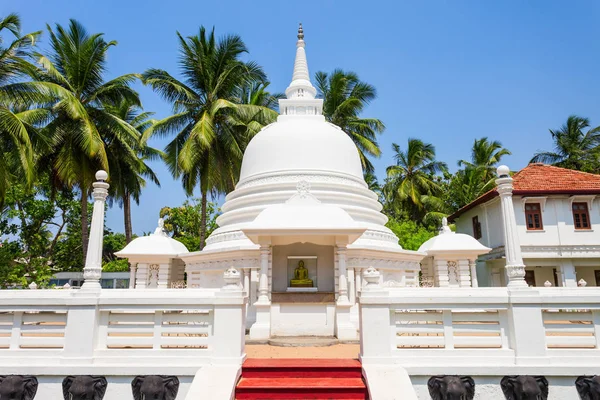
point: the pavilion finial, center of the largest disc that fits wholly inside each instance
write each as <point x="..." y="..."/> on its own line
<point x="300" y="32"/>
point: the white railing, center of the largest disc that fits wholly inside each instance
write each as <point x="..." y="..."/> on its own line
<point x="543" y="329"/>
<point x="129" y="327"/>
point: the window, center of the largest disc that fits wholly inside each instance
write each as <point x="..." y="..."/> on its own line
<point x="533" y="217"/>
<point x="581" y="216"/>
<point x="107" y="283"/>
<point x="530" y="278"/>
<point x="476" y="228"/>
<point x="597" y="276"/>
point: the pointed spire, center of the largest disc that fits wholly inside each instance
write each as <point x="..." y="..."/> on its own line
<point x="301" y="85"/>
<point x="301" y="94"/>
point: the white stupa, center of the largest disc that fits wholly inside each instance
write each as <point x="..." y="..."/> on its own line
<point x="302" y="199"/>
<point x="301" y="225"/>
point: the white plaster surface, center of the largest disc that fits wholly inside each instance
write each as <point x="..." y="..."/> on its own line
<point x="302" y="319"/>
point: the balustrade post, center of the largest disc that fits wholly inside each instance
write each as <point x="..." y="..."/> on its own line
<point x="82" y="328"/>
<point x="92" y="271"/>
<point x="229" y="325"/>
<point x="377" y="331"/>
<point x="527" y="334"/>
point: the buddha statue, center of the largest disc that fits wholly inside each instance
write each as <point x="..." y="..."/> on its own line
<point x="301" y="276"/>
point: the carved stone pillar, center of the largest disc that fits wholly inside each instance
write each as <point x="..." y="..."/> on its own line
<point x="263" y="283"/>
<point x="464" y="273"/>
<point x="246" y="282"/>
<point x="441" y="273"/>
<point x="515" y="268"/>
<point x="351" y="287"/>
<point x="132" y="271"/>
<point x="93" y="261"/>
<point x="473" y="268"/>
<point x="358" y="279"/>
<point x="343" y="278"/>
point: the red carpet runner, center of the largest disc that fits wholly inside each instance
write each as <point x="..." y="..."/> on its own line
<point x="301" y="379"/>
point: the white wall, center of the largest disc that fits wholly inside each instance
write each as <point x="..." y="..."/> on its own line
<point x="325" y="269"/>
<point x="557" y="219"/>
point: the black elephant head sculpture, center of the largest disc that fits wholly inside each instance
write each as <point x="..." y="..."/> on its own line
<point x="18" y="387"/>
<point x="155" y="387"/>
<point x="524" y="387"/>
<point x="588" y="387"/>
<point x="451" y="387"/>
<point x="84" y="387"/>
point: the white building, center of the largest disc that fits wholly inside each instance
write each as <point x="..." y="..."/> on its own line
<point x="558" y="217"/>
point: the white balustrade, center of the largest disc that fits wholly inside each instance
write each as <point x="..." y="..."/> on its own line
<point x="433" y="329"/>
<point x="130" y="328"/>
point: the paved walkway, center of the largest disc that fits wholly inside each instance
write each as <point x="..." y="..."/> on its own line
<point x="336" y="351"/>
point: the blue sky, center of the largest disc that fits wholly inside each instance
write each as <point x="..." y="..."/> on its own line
<point x="446" y="72"/>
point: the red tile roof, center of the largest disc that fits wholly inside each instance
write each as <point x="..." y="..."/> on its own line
<point x="540" y="179"/>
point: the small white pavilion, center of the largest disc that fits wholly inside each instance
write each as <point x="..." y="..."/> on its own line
<point x="301" y="226"/>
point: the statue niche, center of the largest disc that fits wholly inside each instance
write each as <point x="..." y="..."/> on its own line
<point x="301" y="278"/>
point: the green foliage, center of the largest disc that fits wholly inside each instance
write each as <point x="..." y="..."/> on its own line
<point x="120" y="265"/>
<point x="211" y="126"/>
<point x="345" y="97"/>
<point x="574" y="148"/>
<point x="184" y="222"/>
<point x="411" y="235"/>
<point x="412" y="186"/>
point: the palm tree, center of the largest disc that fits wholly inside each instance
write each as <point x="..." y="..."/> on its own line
<point x="73" y="75"/>
<point x="208" y="144"/>
<point x="467" y="185"/>
<point x="127" y="159"/>
<point x="18" y="122"/>
<point x="411" y="182"/>
<point x="574" y="148"/>
<point x="344" y="98"/>
<point x="485" y="155"/>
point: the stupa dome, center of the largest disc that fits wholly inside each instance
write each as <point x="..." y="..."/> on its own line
<point x="301" y="144"/>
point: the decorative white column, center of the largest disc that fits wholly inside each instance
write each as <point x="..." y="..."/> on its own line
<point x="343" y="278"/>
<point x="351" y="287"/>
<point x="132" y="271"/>
<point x="93" y="261"/>
<point x="464" y="273"/>
<point x="473" y="267"/>
<point x="515" y="268"/>
<point x="261" y="329"/>
<point x="263" y="282"/>
<point x="246" y="272"/>
<point x="358" y="284"/>
<point x="441" y="273"/>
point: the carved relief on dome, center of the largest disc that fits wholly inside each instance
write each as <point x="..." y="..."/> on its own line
<point x="224" y="264"/>
<point x="291" y="178"/>
<point x="379" y="236"/>
<point x="225" y="237"/>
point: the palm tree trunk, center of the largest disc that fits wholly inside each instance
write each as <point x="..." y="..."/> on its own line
<point x="203" y="220"/>
<point x="127" y="216"/>
<point x="84" y="221"/>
